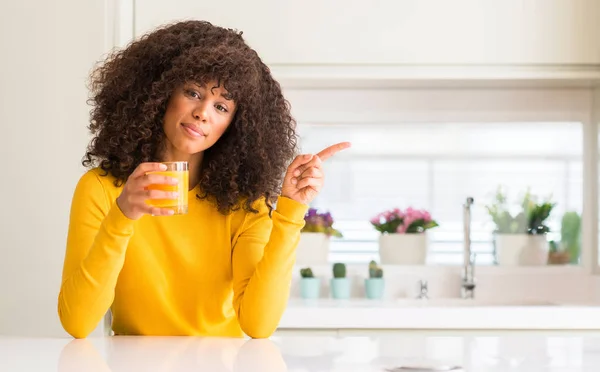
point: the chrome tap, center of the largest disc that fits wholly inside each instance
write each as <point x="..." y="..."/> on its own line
<point x="468" y="274"/>
<point x="422" y="289"/>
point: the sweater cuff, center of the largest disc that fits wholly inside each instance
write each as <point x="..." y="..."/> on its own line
<point x="118" y="222"/>
<point x="291" y="209"/>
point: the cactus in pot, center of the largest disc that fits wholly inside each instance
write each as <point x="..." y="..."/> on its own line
<point x="571" y="235"/>
<point x="374" y="284"/>
<point x="374" y="270"/>
<point x="306" y="273"/>
<point x="309" y="285"/>
<point x="339" y="270"/>
<point x="340" y="285"/>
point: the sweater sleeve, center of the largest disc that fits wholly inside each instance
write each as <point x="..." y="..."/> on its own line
<point x="97" y="239"/>
<point x="263" y="259"/>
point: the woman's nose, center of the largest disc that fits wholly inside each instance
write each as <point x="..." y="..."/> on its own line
<point x="200" y="113"/>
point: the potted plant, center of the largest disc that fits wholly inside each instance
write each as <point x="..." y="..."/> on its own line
<point x="520" y="237"/>
<point x="309" y="285"/>
<point x="568" y="249"/>
<point x="570" y="235"/>
<point x="340" y="285"/>
<point x="374" y="284"/>
<point x="403" y="236"/>
<point x="313" y="247"/>
<point x="557" y="255"/>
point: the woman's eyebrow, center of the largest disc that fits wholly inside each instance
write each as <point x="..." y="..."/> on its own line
<point x="225" y="95"/>
<point x="196" y="85"/>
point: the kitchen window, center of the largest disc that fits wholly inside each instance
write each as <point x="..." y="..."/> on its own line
<point x="435" y="166"/>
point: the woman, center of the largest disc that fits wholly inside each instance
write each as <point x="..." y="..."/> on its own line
<point x="197" y="93"/>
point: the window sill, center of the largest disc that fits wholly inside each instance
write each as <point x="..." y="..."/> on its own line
<point x="358" y="269"/>
<point x="439" y="314"/>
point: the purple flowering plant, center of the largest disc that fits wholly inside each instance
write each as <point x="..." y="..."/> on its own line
<point x="408" y="221"/>
<point x="320" y="222"/>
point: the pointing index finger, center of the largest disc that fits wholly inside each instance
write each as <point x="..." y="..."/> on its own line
<point x="332" y="150"/>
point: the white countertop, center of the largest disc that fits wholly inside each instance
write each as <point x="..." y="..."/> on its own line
<point x="481" y="352"/>
<point x="326" y="313"/>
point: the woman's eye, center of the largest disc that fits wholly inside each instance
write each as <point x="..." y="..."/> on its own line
<point x="221" y="108"/>
<point x="193" y="94"/>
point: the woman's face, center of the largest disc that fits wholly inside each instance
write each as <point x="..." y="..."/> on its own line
<point x="196" y="117"/>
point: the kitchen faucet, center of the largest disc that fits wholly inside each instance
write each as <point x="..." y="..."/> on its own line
<point x="468" y="274"/>
<point x="422" y="290"/>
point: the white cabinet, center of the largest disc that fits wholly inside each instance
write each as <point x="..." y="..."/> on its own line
<point x="400" y="32"/>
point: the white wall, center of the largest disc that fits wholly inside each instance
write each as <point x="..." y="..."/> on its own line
<point x="384" y="32"/>
<point x="48" y="49"/>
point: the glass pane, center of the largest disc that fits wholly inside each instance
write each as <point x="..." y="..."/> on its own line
<point x="436" y="166"/>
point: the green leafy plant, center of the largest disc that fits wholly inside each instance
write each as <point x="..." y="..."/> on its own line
<point x="339" y="270"/>
<point x="529" y="219"/>
<point x="306" y="273"/>
<point x="570" y="232"/>
<point x="375" y="271"/>
<point x="554" y="248"/>
<point x="320" y="223"/>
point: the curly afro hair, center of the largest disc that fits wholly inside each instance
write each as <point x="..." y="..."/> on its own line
<point x="131" y="89"/>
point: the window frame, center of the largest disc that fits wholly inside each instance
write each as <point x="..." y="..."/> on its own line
<point x="331" y="106"/>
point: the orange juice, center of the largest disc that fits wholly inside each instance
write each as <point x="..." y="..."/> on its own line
<point x="180" y="204"/>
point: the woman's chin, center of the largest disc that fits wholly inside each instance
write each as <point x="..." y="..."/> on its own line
<point x="191" y="146"/>
<point x="193" y="150"/>
<point x="187" y="147"/>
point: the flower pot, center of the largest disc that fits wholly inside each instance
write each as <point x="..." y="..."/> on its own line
<point x="559" y="258"/>
<point x="521" y="249"/>
<point x="310" y="287"/>
<point x="403" y="249"/>
<point x="313" y="249"/>
<point x="374" y="288"/>
<point x="340" y="288"/>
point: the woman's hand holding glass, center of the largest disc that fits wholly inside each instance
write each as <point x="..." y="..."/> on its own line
<point x="138" y="194"/>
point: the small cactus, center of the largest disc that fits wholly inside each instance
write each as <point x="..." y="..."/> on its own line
<point x="306" y="273"/>
<point x="339" y="270"/>
<point x="571" y="235"/>
<point x="374" y="270"/>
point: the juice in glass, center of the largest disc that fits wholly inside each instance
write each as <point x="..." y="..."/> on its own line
<point x="179" y="170"/>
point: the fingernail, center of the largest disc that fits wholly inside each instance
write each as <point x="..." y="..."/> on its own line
<point x="163" y="167"/>
<point x="170" y="212"/>
<point x="174" y="180"/>
<point x="174" y="194"/>
<point x="294" y="181"/>
<point x="297" y="172"/>
<point x="307" y="156"/>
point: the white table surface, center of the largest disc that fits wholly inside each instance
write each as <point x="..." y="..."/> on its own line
<point x="376" y="351"/>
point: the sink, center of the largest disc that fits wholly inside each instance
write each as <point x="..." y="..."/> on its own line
<point x="459" y="302"/>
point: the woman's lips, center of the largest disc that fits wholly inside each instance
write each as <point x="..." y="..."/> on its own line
<point x="193" y="130"/>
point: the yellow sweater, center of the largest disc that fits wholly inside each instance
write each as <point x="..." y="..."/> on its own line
<point x="201" y="274"/>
